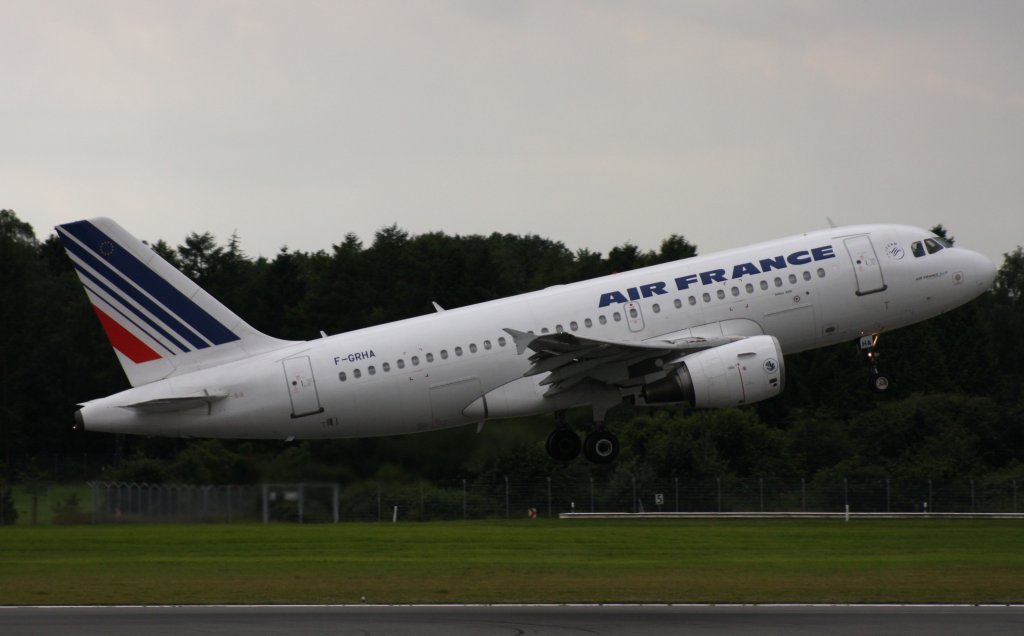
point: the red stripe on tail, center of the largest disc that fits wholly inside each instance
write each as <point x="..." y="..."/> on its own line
<point x="125" y="341"/>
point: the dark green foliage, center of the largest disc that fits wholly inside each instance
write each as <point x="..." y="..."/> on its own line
<point x="8" y="513"/>
<point x="955" y="408"/>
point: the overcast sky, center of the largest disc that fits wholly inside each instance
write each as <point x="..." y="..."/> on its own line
<point x="592" y="123"/>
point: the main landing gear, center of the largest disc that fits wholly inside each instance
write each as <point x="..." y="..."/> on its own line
<point x="599" y="447"/>
<point x="878" y="380"/>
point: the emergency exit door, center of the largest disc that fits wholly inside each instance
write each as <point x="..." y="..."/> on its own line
<point x="298" y="373"/>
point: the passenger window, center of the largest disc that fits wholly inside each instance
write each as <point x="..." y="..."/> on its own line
<point x="632" y="312"/>
<point x="750" y="288"/>
<point x="401" y="363"/>
<point x="707" y="297"/>
<point x="807" y="275"/>
<point x="917" y="249"/>
<point x="692" y="300"/>
<point x="792" y="279"/>
<point x="430" y="357"/>
<point x="356" y="373"/>
<point x="617" y="317"/>
<point x="572" y="325"/>
<point x="559" y="329"/>
<point x="458" y="351"/>
<point x="821" y="272"/>
<point x="720" y="294"/>
<point x="735" y="291"/>
<point x="386" y="366"/>
<point x="501" y="341"/>
<point x="472" y="348"/>
<point x="601" y="319"/>
<point x="487" y="345"/>
<point x="678" y="303"/>
<point x="544" y="330"/>
<point x="764" y="284"/>
<point x="371" y="370"/>
<point x="444" y="354"/>
<point x="342" y="376"/>
<point x="778" y="282"/>
<point x="657" y="308"/>
<point x="588" y="323"/>
<point x="415" y="361"/>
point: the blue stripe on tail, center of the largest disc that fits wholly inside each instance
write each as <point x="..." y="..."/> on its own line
<point x="135" y="270"/>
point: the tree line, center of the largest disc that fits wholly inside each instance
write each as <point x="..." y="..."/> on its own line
<point x="955" y="409"/>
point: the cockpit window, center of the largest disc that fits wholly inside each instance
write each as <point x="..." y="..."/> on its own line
<point x="943" y="242"/>
<point x="933" y="245"/>
<point x="917" y="249"/>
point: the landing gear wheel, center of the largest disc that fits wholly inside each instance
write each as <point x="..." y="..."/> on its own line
<point x="879" y="382"/>
<point x="601" y="447"/>
<point x="564" y="445"/>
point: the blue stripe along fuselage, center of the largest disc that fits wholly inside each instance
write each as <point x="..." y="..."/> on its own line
<point x="127" y="266"/>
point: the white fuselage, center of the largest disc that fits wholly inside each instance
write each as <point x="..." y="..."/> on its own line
<point x="459" y="366"/>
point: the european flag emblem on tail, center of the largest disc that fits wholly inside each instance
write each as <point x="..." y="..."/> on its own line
<point x="159" y="322"/>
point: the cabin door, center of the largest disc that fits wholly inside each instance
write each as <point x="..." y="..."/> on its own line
<point x="298" y="373"/>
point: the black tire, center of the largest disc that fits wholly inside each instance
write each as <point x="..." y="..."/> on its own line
<point x="601" y="447"/>
<point x="564" y="445"/>
<point x="879" y="382"/>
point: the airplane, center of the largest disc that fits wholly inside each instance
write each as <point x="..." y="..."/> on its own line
<point x="709" y="331"/>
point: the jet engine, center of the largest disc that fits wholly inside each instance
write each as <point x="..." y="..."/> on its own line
<point x="742" y="372"/>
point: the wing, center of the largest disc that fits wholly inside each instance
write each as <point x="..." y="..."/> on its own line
<point x="569" y="359"/>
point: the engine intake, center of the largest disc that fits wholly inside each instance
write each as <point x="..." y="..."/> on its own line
<point x="742" y="372"/>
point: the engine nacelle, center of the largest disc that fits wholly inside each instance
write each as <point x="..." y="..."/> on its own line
<point x="742" y="372"/>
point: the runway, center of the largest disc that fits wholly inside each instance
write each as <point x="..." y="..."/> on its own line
<point x="502" y="620"/>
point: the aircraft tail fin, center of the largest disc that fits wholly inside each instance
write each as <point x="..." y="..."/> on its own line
<point x="159" y="322"/>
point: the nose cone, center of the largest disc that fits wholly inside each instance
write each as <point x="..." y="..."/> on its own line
<point x="985" y="271"/>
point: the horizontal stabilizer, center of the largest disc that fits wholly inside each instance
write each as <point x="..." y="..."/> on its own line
<point x="183" y="403"/>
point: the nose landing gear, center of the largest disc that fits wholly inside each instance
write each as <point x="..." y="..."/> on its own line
<point x="878" y="380"/>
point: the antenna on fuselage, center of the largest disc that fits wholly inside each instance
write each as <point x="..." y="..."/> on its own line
<point x="831" y="223"/>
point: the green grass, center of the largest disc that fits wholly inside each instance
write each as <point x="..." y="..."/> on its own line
<point x="964" y="561"/>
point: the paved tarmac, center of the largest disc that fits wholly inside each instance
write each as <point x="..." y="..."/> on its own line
<point x="501" y="620"/>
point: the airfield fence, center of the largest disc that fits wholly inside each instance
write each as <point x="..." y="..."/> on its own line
<point x="549" y="497"/>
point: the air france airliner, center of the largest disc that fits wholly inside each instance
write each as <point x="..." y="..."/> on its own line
<point x="709" y="331"/>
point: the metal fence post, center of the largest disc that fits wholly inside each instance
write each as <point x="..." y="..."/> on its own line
<point x="334" y="502"/>
<point x="302" y="503"/>
<point x="592" y="493"/>
<point x="549" y="497"/>
<point x="677" y="493"/>
<point x="846" y="494"/>
<point x="719" y="480"/>
<point x="379" y="518"/>
<point x="463" y="499"/>
<point x="506" y="496"/>
<point x="1015" y="495"/>
<point x="887" y="495"/>
<point x="930" y="504"/>
<point x="972" y="496"/>
<point x="266" y="510"/>
<point x="634" y="493"/>
<point x="803" y="495"/>
<point x="760" y="489"/>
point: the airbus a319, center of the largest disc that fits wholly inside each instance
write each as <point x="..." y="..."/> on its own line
<point x="709" y="331"/>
